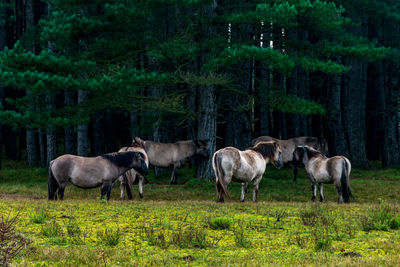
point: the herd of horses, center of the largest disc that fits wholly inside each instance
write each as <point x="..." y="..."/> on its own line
<point x="131" y="164"/>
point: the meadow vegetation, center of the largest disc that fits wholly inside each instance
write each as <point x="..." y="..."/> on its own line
<point x="181" y="225"/>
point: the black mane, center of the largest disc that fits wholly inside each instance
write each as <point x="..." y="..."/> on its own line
<point x="267" y="150"/>
<point x="121" y="159"/>
<point x="314" y="153"/>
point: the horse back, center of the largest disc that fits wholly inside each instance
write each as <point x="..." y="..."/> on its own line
<point x="166" y="154"/>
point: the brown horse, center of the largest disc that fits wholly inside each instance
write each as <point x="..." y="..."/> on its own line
<point x="244" y="166"/>
<point x="288" y="147"/>
<point x="173" y="154"/>
<point x="128" y="178"/>
<point x="86" y="172"/>
<point x="325" y="170"/>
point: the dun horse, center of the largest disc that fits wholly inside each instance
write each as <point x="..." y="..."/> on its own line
<point x="244" y="166"/>
<point x="127" y="179"/>
<point x="173" y="154"/>
<point x="87" y="172"/>
<point x="288" y="147"/>
<point x="325" y="170"/>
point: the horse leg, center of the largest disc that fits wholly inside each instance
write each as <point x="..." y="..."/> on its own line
<point x="314" y="191"/>
<point x="105" y="189"/>
<point x="61" y="191"/>
<point x="140" y="185"/>
<point x="295" y="171"/>
<point x="220" y="195"/>
<point x="121" y="187"/>
<point x="244" y="189"/>
<point x="321" y="192"/>
<point x="339" y="190"/>
<point x="174" y="175"/>
<point x="255" y="192"/>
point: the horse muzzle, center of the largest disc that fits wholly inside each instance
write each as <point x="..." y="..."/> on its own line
<point x="144" y="170"/>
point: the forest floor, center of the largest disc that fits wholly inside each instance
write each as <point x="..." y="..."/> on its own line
<point x="182" y="224"/>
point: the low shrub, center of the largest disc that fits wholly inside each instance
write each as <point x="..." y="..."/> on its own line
<point x="39" y="217"/>
<point x="382" y="217"/>
<point x="11" y="241"/>
<point x="240" y="238"/>
<point x="109" y="236"/>
<point x="220" y="223"/>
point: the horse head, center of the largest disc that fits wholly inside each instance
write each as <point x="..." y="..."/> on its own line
<point x="202" y="148"/>
<point x="139" y="163"/>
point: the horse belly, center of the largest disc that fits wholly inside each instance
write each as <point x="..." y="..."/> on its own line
<point x="87" y="178"/>
<point x="245" y="173"/>
<point x="323" y="177"/>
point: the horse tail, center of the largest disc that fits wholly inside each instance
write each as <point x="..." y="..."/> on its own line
<point x="344" y="180"/>
<point x="128" y="186"/>
<point x="52" y="183"/>
<point x="219" y="174"/>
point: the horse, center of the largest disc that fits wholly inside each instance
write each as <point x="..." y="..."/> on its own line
<point x="86" y="172"/>
<point x="244" y="166"/>
<point x="173" y="154"/>
<point x="288" y="147"/>
<point x="129" y="177"/>
<point x="322" y="170"/>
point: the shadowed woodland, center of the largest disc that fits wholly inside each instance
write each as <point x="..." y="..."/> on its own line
<point x="86" y="77"/>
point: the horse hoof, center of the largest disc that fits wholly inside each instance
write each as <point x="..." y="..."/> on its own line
<point x="141" y="195"/>
<point x="173" y="183"/>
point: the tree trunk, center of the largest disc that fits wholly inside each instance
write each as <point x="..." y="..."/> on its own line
<point x="98" y="133"/>
<point x="51" y="132"/>
<point x="238" y="126"/>
<point x="338" y="144"/>
<point x="31" y="133"/>
<point x="42" y="148"/>
<point x="69" y="134"/>
<point x="82" y="129"/>
<point x="207" y="117"/>
<point x="354" y="97"/>
<point x="391" y="146"/>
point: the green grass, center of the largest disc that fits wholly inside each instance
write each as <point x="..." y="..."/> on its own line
<point x="182" y="224"/>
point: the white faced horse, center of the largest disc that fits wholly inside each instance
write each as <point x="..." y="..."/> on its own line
<point x="244" y="166"/>
<point x="323" y="170"/>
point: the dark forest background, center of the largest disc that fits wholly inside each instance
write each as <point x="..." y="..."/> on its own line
<point x="85" y="77"/>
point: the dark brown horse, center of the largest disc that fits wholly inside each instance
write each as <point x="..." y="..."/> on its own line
<point x="173" y="154"/>
<point x="322" y="170"/>
<point x="86" y="172"/>
<point x="288" y="147"/>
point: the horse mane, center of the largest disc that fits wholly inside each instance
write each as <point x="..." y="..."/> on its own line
<point x="121" y="159"/>
<point x="266" y="149"/>
<point x="312" y="153"/>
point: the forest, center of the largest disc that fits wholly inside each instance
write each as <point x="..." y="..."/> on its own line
<point x="89" y="77"/>
<point x="85" y="77"/>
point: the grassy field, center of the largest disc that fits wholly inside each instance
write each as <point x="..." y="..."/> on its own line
<point x="182" y="224"/>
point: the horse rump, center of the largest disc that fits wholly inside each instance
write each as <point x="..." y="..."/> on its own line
<point x="52" y="184"/>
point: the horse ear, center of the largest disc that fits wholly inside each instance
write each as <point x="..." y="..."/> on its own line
<point x="139" y="141"/>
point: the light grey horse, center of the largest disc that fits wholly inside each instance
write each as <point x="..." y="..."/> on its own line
<point x="324" y="170"/>
<point x="288" y="146"/>
<point x="86" y="172"/>
<point x="128" y="178"/>
<point x="244" y="166"/>
<point x="173" y="154"/>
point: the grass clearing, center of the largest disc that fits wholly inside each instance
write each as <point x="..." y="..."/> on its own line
<point x="181" y="225"/>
